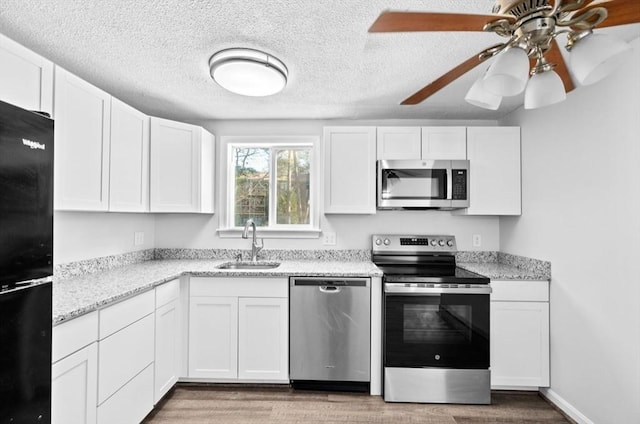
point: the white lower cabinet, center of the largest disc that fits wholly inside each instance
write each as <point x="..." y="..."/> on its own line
<point x="168" y="343"/>
<point x="131" y="403"/>
<point x="74" y="387"/>
<point x="113" y="365"/>
<point x="213" y="337"/>
<point x="262" y="338"/>
<point x="238" y="329"/>
<point x="519" y="334"/>
<point x="74" y="373"/>
<point x="126" y="356"/>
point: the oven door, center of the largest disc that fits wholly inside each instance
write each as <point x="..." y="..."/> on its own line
<point x="437" y="329"/>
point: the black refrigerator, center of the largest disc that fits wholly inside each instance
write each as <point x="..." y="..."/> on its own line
<point x="26" y="265"/>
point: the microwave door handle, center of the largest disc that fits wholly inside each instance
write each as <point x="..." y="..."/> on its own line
<point x="449" y="183"/>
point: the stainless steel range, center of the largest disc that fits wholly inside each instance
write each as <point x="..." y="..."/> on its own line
<point x="436" y="322"/>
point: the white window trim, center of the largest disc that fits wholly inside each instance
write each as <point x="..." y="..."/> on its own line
<point x="227" y="230"/>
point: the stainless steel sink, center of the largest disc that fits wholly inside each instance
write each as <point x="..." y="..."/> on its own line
<point x="249" y="265"/>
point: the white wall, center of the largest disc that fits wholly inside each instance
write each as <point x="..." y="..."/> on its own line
<point x="353" y="231"/>
<point x="87" y="235"/>
<point x="581" y="211"/>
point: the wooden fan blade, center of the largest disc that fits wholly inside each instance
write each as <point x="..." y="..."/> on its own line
<point x="554" y="56"/>
<point x="424" y="21"/>
<point x="443" y="81"/>
<point x="620" y="12"/>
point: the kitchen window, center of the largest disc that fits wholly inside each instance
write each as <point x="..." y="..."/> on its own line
<point x="271" y="180"/>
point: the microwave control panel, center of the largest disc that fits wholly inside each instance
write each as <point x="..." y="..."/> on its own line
<point x="459" y="184"/>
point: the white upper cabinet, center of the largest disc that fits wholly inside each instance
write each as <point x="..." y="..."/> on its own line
<point x="428" y="143"/>
<point x="82" y="114"/>
<point x="399" y="143"/>
<point x="494" y="175"/>
<point x="350" y="170"/>
<point x="26" y="79"/>
<point x="448" y="143"/>
<point x="129" y="161"/>
<point x="182" y="171"/>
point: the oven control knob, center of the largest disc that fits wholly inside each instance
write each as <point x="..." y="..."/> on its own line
<point x="437" y="357"/>
<point x="433" y="242"/>
<point x="450" y="243"/>
<point x="378" y="242"/>
<point x="387" y="242"/>
<point x="441" y="242"/>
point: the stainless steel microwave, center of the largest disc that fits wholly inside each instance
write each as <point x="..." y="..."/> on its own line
<point x="423" y="184"/>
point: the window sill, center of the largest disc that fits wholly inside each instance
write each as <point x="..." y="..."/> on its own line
<point x="269" y="233"/>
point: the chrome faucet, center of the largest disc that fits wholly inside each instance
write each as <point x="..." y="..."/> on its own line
<point x="255" y="247"/>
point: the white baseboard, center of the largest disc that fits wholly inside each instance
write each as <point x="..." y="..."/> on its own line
<point x="565" y="406"/>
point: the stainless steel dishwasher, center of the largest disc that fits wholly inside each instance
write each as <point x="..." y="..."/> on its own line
<point x="329" y="337"/>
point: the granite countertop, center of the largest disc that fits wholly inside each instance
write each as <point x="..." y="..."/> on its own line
<point x="79" y="295"/>
<point x="502" y="271"/>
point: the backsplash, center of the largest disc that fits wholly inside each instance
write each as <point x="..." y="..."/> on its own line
<point x="266" y="254"/>
<point x="529" y="264"/>
<point x="89" y="266"/>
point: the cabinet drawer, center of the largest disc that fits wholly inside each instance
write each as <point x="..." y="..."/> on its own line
<point x="167" y="292"/>
<point x="239" y="287"/>
<point x="123" y="355"/>
<point x="131" y="403"/>
<point x="520" y="291"/>
<point x="124" y="313"/>
<point x="73" y="335"/>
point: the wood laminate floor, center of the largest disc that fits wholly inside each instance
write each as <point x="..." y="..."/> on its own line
<point x="235" y="405"/>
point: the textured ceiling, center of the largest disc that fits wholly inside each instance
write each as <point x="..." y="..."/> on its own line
<point x="153" y="54"/>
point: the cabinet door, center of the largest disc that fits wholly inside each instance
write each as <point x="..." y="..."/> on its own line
<point x="213" y="337"/>
<point x="175" y="166"/>
<point x="520" y="344"/>
<point x="26" y="79"/>
<point x="167" y="359"/>
<point x="263" y="348"/>
<point x="350" y="170"/>
<point x="494" y="174"/>
<point x="74" y="387"/>
<point x="449" y="143"/>
<point x="398" y="143"/>
<point x="82" y="114"/>
<point x="129" y="161"/>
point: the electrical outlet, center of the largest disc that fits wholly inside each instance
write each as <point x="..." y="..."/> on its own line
<point x="329" y="239"/>
<point x="138" y="238"/>
<point x="477" y="240"/>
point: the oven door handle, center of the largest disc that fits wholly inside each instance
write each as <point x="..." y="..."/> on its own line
<point x="433" y="291"/>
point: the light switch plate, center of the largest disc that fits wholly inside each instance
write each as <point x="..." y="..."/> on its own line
<point x="329" y="239"/>
<point x="138" y="238"/>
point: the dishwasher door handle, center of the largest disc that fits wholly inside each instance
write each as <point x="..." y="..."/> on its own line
<point x="329" y="289"/>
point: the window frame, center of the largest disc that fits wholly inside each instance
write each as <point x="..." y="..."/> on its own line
<point x="274" y="143"/>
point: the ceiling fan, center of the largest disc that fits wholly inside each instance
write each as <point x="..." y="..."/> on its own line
<point x="531" y="49"/>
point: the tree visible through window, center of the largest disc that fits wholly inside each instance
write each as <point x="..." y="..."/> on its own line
<point x="265" y="173"/>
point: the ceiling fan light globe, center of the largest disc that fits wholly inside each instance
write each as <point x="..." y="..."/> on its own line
<point x="544" y="89"/>
<point x="597" y="56"/>
<point x="480" y="97"/>
<point x="508" y="75"/>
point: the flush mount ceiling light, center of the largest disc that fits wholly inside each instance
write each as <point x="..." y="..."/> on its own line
<point x="248" y="72"/>
<point x="530" y="57"/>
